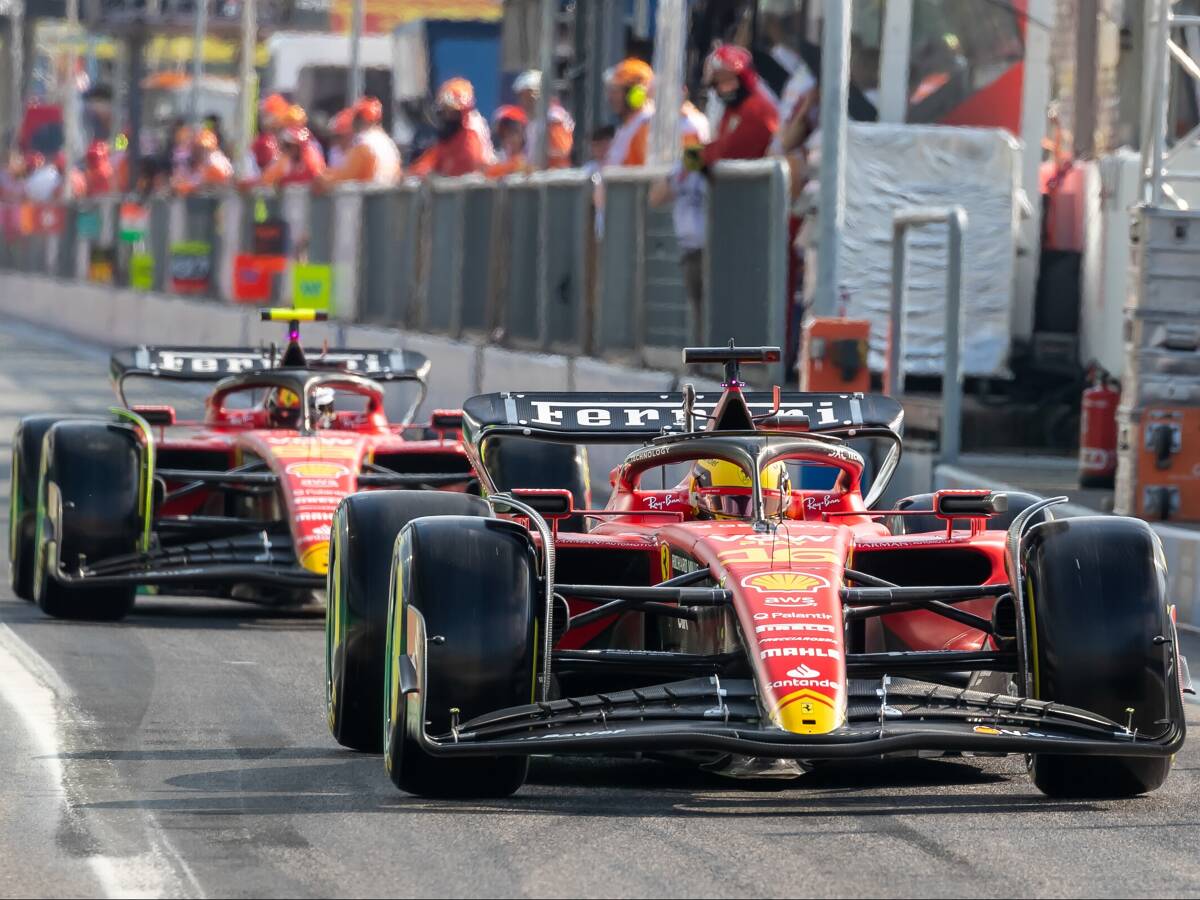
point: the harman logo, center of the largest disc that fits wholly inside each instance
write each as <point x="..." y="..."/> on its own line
<point x="785" y="582"/>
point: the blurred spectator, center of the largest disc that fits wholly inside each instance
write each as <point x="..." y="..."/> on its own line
<point x="750" y="120"/>
<point x="629" y="85"/>
<point x="300" y="160"/>
<point x="464" y="143"/>
<point x="510" y="127"/>
<point x="42" y="178"/>
<point x="600" y="143"/>
<point x="341" y="135"/>
<point x="98" y="170"/>
<point x="209" y="168"/>
<point x="686" y="186"/>
<point x="213" y="123"/>
<point x="372" y="156"/>
<point x="180" y="152"/>
<point x="528" y="89"/>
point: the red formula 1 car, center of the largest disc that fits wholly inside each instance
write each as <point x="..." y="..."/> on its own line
<point x="758" y="617"/>
<point x="238" y="504"/>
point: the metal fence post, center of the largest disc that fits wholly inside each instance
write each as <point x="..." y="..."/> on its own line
<point x="955" y="218"/>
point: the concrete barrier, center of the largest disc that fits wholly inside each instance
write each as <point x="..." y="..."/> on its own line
<point x="511" y="370"/>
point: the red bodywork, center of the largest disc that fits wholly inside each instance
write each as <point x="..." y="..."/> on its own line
<point x="315" y="469"/>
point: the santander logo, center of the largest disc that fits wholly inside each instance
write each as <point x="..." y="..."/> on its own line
<point x="803" y="671"/>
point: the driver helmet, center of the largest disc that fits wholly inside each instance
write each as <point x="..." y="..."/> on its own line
<point x="283" y="408"/>
<point x="722" y="490"/>
<point x="322" y="407"/>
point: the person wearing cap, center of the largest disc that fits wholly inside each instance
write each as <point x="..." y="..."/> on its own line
<point x="300" y="159"/>
<point x="750" y="121"/>
<point x="98" y="174"/>
<point x="464" y="141"/>
<point x="341" y="135"/>
<point x="210" y="167"/>
<point x="688" y="188"/>
<point x="560" y="127"/>
<point x="629" y="86"/>
<point x="372" y="157"/>
<point x="509" y="125"/>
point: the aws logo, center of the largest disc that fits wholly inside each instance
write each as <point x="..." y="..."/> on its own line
<point x="785" y="583"/>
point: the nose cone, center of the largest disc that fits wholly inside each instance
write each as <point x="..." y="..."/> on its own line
<point x="316" y="558"/>
<point x="807" y="712"/>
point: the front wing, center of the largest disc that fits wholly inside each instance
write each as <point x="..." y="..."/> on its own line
<point x="721" y="714"/>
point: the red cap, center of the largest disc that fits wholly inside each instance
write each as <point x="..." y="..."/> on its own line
<point x="369" y="110"/>
<point x="732" y="58"/>
<point x="510" y="113"/>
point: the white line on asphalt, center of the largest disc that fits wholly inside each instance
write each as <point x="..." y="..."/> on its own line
<point x="42" y="700"/>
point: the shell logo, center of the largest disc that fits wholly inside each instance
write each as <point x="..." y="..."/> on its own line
<point x="317" y="470"/>
<point x="785" y="582"/>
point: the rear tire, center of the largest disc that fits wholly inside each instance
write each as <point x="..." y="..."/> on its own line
<point x="364" y="531"/>
<point x="464" y="610"/>
<point x="1096" y="603"/>
<point x="22" y="504"/>
<point x="89" y="506"/>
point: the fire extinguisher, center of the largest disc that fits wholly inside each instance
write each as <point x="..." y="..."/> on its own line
<point x="1098" y="430"/>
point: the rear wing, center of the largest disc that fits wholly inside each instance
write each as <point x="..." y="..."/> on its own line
<point x="215" y="363"/>
<point x="634" y="417"/>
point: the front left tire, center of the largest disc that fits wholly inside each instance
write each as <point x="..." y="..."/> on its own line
<point x="89" y="509"/>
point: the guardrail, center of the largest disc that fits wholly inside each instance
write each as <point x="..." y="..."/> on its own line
<point x="955" y="218"/>
<point x="523" y="262"/>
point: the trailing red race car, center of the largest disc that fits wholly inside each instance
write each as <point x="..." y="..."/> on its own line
<point x="238" y="504"/>
<point x="758" y="618"/>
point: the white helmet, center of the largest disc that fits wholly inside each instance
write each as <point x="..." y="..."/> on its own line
<point x="529" y="80"/>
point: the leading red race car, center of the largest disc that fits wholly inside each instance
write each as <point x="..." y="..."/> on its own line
<point x="758" y="618"/>
<point x="238" y="504"/>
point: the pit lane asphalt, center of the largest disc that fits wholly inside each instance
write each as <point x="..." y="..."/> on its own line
<point x="184" y="752"/>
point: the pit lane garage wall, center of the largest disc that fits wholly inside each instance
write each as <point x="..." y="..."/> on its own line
<point x="1181" y="546"/>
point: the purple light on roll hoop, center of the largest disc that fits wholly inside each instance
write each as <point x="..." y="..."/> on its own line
<point x="294" y="334"/>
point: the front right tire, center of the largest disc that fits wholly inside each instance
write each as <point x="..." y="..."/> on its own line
<point x="463" y="617"/>
<point x="1101" y="639"/>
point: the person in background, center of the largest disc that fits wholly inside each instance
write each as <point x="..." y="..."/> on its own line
<point x="598" y="146"/>
<point x="510" y="127"/>
<point x="266" y="146"/>
<point x="300" y="160"/>
<point x="43" y="179"/>
<point x="561" y="130"/>
<point x="98" y="170"/>
<point x="294" y="124"/>
<point x="341" y="136"/>
<point x="629" y="86"/>
<point x="464" y="143"/>
<point x="688" y="188"/>
<point x="750" y="121"/>
<point x="373" y="157"/>
<point x="210" y="167"/>
<point x="213" y="123"/>
<point x="180" y="152"/>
